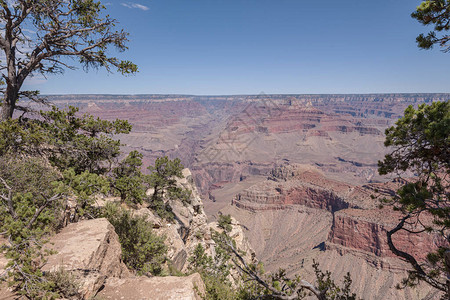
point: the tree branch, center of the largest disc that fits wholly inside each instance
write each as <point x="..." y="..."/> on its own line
<point x="408" y="257"/>
<point x="276" y="294"/>
<point x="41" y="208"/>
<point x="9" y="199"/>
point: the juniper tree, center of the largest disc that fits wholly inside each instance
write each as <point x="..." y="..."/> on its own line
<point x="37" y="37"/>
<point x="436" y="13"/>
<point x="127" y="179"/>
<point x="163" y="179"/>
<point x="420" y="145"/>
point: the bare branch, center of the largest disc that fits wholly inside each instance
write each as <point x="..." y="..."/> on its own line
<point x="41" y="208"/>
<point x="276" y="294"/>
<point x="9" y="199"/>
<point x="408" y="257"/>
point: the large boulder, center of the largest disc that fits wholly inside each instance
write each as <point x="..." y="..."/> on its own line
<point x="155" y="288"/>
<point x="89" y="249"/>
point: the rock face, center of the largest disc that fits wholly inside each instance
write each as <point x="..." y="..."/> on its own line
<point x="155" y="288"/>
<point x="366" y="230"/>
<point x="213" y="174"/>
<point x="191" y="228"/>
<point x="356" y="223"/>
<point x="271" y="195"/>
<point x="91" y="250"/>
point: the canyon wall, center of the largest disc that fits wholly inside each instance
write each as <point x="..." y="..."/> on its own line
<point x="340" y="134"/>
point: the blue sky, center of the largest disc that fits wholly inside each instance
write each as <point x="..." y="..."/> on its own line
<point x="271" y="46"/>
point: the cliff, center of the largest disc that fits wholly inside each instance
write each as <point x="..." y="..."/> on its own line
<point x="366" y="230"/>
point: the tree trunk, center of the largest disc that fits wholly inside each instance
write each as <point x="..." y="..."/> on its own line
<point x="12" y="86"/>
<point x="7" y="111"/>
<point x="9" y="103"/>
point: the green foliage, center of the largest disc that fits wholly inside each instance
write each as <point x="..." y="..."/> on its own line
<point x="420" y="144"/>
<point x="127" y="179"/>
<point x="420" y="140"/>
<point x="28" y="213"/>
<point x="436" y="13"/>
<point x="199" y="258"/>
<point x="82" y="188"/>
<point x="43" y="163"/>
<point x="163" y="176"/>
<point x="217" y="289"/>
<point x="334" y="291"/>
<point x="63" y="283"/>
<point x="28" y="175"/>
<point x="214" y="273"/>
<point x="224" y="222"/>
<point x="22" y="137"/>
<point x="82" y="143"/>
<point x="142" y="250"/>
<point x="163" y="180"/>
<point x="65" y="139"/>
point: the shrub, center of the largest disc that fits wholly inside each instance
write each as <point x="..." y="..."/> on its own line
<point x="64" y="283"/>
<point x="142" y="250"/>
<point x="224" y="222"/>
<point x="214" y="273"/>
<point x="28" y="214"/>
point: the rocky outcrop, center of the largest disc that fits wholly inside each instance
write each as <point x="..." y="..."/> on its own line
<point x="281" y="196"/>
<point x="366" y="230"/>
<point x="91" y="250"/>
<point x="293" y="185"/>
<point x="305" y="185"/>
<point x="191" y="228"/>
<point x="155" y="288"/>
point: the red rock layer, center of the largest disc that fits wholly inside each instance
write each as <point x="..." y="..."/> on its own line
<point x="357" y="222"/>
<point x="366" y="230"/>
<point x="284" y="118"/>
<point x="299" y="195"/>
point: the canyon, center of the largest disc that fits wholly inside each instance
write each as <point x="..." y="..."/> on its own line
<point x="299" y="173"/>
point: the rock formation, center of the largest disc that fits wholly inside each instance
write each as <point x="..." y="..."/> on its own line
<point x="298" y="215"/>
<point x="192" y="228"/>
<point x="91" y="250"/>
<point x="227" y="138"/>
